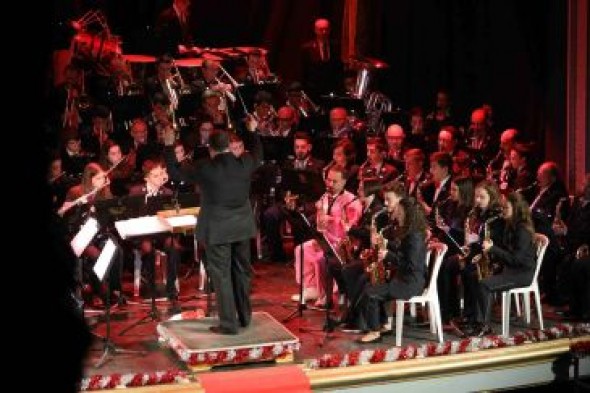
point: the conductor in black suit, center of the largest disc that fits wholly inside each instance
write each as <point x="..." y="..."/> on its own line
<point x="226" y="222"/>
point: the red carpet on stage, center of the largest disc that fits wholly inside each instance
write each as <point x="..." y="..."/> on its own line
<point x="284" y="379"/>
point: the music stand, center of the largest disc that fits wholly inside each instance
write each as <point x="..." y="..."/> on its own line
<point x="308" y="185"/>
<point x="138" y="207"/>
<point x="102" y="268"/>
<point x="300" y="224"/>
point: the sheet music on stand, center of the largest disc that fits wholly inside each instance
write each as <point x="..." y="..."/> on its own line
<point x="84" y="236"/>
<point x="103" y="263"/>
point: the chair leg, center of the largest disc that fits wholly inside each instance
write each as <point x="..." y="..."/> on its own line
<point x="437" y="319"/>
<point x="432" y="317"/>
<point x="527" y="307"/>
<point x="399" y="322"/>
<point x="413" y="310"/>
<point x="136" y="273"/>
<point x="539" y="309"/>
<point x="505" y="313"/>
<point x="517" y="304"/>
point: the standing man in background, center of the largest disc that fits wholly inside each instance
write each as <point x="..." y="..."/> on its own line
<point x="321" y="63"/>
<point x="174" y="28"/>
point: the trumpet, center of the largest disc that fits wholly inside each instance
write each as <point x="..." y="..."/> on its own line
<point x="315" y="108"/>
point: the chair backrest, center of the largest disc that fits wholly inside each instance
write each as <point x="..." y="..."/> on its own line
<point x="438" y="251"/>
<point x="541" y="243"/>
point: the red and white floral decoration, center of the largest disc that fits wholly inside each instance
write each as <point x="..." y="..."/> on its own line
<point x="113" y="381"/>
<point x="472" y="344"/>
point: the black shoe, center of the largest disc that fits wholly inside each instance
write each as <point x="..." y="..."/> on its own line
<point x="485" y="330"/>
<point x="222" y="330"/>
<point x="121" y="300"/>
<point x="174" y="307"/>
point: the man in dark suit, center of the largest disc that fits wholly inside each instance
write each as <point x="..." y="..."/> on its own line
<point x="275" y="215"/>
<point x="174" y="28"/>
<point x="322" y="67"/>
<point x="226" y="222"/>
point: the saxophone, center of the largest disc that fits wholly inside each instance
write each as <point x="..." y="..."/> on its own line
<point x="373" y="265"/>
<point x="482" y="261"/>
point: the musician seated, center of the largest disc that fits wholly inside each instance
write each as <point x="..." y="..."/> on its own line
<point x="574" y="272"/>
<point x="395" y="136"/>
<point x="73" y="157"/>
<point x="486" y="210"/>
<point x="516" y="251"/>
<point x="451" y="231"/>
<point x="344" y="155"/>
<point x="77" y="207"/>
<point x="375" y="166"/>
<point x="434" y="195"/>
<point x="274" y="216"/>
<point x="352" y="277"/>
<point x="264" y="113"/>
<point x="120" y="169"/>
<point x="155" y="176"/>
<point x="521" y="177"/>
<point x="336" y="211"/>
<point x="402" y="248"/>
<point x="415" y="175"/>
<point x="551" y="190"/>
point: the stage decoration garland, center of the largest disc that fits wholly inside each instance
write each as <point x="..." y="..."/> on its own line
<point x="226" y="356"/>
<point x="112" y="381"/>
<point x="581" y="349"/>
<point x="471" y="344"/>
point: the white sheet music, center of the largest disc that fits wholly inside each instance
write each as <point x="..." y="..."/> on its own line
<point x="182" y="221"/>
<point x="104" y="259"/>
<point x="84" y="236"/>
<point x="141" y="226"/>
<point x="149" y="225"/>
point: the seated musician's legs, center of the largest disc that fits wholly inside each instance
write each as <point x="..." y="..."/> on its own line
<point x="448" y="290"/>
<point x="310" y="281"/>
<point x="271" y="223"/>
<point x="470" y="292"/>
<point x="148" y="263"/>
<point x="580" y="299"/>
<point x="172" y="249"/>
<point x="370" y="309"/>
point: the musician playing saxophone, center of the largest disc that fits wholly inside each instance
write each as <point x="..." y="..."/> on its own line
<point x="487" y="205"/>
<point x="405" y="250"/>
<point x="354" y="277"/>
<point x="516" y="252"/>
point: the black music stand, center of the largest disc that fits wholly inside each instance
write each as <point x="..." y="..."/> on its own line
<point x="300" y="225"/>
<point x="102" y="269"/>
<point x="308" y="185"/>
<point x="138" y="207"/>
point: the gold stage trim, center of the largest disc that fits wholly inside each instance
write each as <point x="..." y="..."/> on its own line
<point x="424" y="368"/>
<point x="436" y="366"/>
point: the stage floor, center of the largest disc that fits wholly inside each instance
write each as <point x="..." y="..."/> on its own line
<point x="273" y="286"/>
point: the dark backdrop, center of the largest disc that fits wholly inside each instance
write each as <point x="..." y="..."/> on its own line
<point x="507" y="53"/>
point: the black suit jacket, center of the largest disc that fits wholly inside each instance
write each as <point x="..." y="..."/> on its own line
<point x="226" y="213"/>
<point x="170" y="32"/>
<point x="517" y="254"/>
<point x="320" y="76"/>
<point x="409" y="256"/>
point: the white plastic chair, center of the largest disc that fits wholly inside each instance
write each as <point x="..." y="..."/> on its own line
<point x="541" y="243"/>
<point x="430" y="296"/>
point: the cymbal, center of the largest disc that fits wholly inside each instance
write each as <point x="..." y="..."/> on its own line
<point x="139" y="58"/>
<point x="248" y="49"/>
<point x="190" y="62"/>
<point x="367" y="62"/>
<point x="377" y="63"/>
